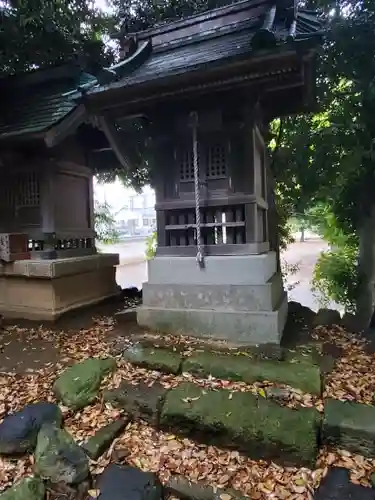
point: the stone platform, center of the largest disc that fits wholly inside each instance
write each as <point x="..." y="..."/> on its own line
<point x="239" y="298"/>
<point x="46" y="289"/>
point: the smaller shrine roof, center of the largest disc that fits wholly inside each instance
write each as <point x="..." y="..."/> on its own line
<point x="35" y="102"/>
<point x="214" y="38"/>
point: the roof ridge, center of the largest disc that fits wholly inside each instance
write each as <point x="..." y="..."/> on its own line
<point x="201" y="16"/>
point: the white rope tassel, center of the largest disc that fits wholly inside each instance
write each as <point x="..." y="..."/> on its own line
<point x="194" y="125"/>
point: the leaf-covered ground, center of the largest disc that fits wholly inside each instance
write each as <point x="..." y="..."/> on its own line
<point x="49" y="351"/>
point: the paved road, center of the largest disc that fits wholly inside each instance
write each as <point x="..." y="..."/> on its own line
<point x="133" y="268"/>
<point x="305" y="256"/>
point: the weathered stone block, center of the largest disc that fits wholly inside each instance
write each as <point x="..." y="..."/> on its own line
<point x="30" y="488"/>
<point x="327" y="317"/>
<point x="58" y="458"/>
<point x="118" y="483"/>
<point x="257" y="297"/>
<point x="304" y="376"/>
<point x="78" y="385"/>
<point x="337" y="486"/>
<point x="154" y="358"/>
<point x="139" y="401"/>
<point x="182" y="487"/>
<point x="259" y="427"/>
<point x="19" y="431"/>
<point x="127" y="316"/>
<point x="97" y="444"/>
<point x="237" y="327"/>
<point x="349" y="425"/>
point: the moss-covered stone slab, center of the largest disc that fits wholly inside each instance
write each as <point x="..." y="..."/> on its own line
<point x="30" y="488"/>
<point x="78" y="386"/>
<point x="102" y="439"/>
<point x="300" y="375"/>
<point x="138" y="401"/>
<point x="349" y="425"/>
<point x="153" y="358"/>
<point x="58" y="457"/>
<point x="259" y="427"/>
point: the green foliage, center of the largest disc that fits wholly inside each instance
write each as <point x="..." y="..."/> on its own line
<point x="105" y="228"/>
<point x="151" y="244"/>
<point x="336" y="277"/>
<point x="42" y="33"/>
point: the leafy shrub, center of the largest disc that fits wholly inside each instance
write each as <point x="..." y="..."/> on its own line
<point x="105" y="227"/>
<point x="336" y="278"/>
<point x="151" y="244"/>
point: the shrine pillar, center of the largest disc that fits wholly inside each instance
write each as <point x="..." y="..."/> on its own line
<point x="236" y="293"/>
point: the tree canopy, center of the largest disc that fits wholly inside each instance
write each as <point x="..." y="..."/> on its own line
<point x="42" y="33"/>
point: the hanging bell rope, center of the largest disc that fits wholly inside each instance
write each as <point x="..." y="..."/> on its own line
<point x="194" y="127"/>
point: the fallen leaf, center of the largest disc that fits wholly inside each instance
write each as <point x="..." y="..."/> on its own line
<point x="94" y="493"/>
<point x="225" y="496"/>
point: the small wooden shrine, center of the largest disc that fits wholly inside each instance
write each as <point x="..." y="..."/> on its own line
<point x="205" y="88"/>
<point x="48" y="260"/>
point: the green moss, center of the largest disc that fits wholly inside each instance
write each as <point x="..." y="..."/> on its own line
<point x="300" y="375"/>
<point x="78" y="386"/>
<point x="97" y="444"/>
<point x="30" y="488"/>
<point x="154" y="358"/>
<point x="260" y="427"/>
<point x="349" y="425"/>
<point x="58" y="457"/>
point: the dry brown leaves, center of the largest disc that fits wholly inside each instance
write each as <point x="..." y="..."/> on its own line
<point x="167" y="454"/>
<point x="353" y="378"/>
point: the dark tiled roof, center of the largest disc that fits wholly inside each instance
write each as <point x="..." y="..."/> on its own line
<point x="211" y="38"/>
<point x="35" y="102"/>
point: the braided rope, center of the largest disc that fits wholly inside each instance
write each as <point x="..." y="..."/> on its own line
<point x="194" y="125"/>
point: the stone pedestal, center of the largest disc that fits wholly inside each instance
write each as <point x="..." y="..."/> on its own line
<point x="46" y="289"/>
<point x="235" y="298"/>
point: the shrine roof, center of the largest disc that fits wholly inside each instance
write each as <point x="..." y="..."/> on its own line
<point x="37" y="101"/>
<point x="211" y="38"/>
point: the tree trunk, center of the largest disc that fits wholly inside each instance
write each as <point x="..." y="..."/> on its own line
<point x="273" y="219"/>
<point x="366" y="268"/>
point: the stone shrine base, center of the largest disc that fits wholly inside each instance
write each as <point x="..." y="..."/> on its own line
<point x="238" y="298"/>
<point x="46" y="289"/>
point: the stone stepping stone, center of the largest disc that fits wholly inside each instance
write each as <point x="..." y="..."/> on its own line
<point x="138" y="401"/>
<point x="337" y="486"/>
<point x="181" y="487"/>
<point x="30" y="488"/>
<point x="19" y="431"/>
<point x="96" y="445"/>
<point x="349" y="425"/>
<point x="327" y="317"/>
<point x="59" y="458"/>
<point x="162" y="360"/>
<point x="257" y="426"/>
<point x="127" y="483"/>
<point x="300" y="375"/>
<point x="78" y="386"/>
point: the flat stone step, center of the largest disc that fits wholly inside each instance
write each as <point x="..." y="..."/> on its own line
<point x="163" y="360"/>
<point x="257" y="426"/>
<point x="349" y="425"/>
<point x="139" y="401"/>
<point x="119" y="482"/>
<point x="102" y="439"/>
<point x="337" y="486"/>
<point x="299" y="374"/>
